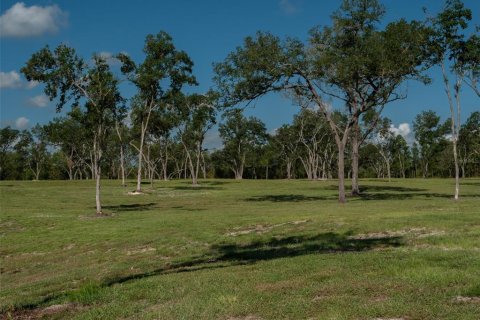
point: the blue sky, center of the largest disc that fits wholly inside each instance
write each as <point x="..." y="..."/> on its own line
<point x="207" y="30"/>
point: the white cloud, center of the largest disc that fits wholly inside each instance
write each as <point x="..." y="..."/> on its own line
<point x="21" y="21"/>
<point x="289" y="7"/>
<point x="40" y="101"/>
<point x="32" y="84"/>
<point x="403" y="130"/>
<point x="10" y="79"/>
<point x="109" y="58"/>
<point x="21" y="123"/>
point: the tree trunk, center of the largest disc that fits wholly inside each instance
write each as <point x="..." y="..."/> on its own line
<point x="97" y="190"/>
<point x="341" y="174"/>
<point x="289" y="169"/>
<point x="97" y="173"/>
<point x="388" y="171"/>
<point x="122" y="157"/>
<point x="455" y="123"/>
<point x="355" y="156"/>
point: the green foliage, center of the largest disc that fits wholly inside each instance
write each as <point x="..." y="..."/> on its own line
<point x="242" y="137"/>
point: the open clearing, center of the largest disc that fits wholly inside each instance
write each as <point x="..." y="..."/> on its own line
<point x="240" y="250"/>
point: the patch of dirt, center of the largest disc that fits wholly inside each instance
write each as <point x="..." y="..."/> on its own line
<point x="416" y="232"/>
<point x="69" y="247"/>
<point x="467" y="299"/>
<point x="379" y="299"/>
<point x="445" y="248"/>
<point x="318" y="298"/>
<point x="140" y="250"/>
<point x="260" y="228"/>
<point x="135" y="193"/>
<point x="40" y="313"/>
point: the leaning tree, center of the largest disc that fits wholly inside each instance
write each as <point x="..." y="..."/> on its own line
<point x="90" y="86"/>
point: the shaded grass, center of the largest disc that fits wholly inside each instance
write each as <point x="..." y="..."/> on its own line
<point x="418" y="250"/>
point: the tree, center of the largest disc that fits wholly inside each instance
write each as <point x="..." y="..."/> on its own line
<point x="429" y="134"/>
<point x="159" y="78"/>
<point x="314" y="138"/>
<point x="286" y="141"/>
<point x="197" y="117"/>
<point x="469" y="141"/>
<point x="351" y="61"/>
<point x="8" y="139"/>
<point x="240" y="136"/>
<point x="69" y="136"/>
<point x="448" y="45"/>
<point x="384" y="141"/>
<point x="37" y="151"/>
<point x="69" y="78"/>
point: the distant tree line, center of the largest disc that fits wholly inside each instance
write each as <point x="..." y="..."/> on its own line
<point x="304" y="149"/>
<point x="160" y="132"/>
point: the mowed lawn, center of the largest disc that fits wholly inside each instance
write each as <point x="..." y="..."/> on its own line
<point x="249" y="249"/>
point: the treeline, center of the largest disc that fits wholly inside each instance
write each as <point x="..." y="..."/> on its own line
<point x="304" y="149"/>
<point x="356" y="62"/>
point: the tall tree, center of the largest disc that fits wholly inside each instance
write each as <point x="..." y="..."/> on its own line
<point x="161" y="76"/>
<point x="448" y="46"/>
<point x="351" y="61"/>
<point x="69" y="78"/>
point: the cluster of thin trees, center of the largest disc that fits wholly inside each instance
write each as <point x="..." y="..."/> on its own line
<point x="159" y="133"/>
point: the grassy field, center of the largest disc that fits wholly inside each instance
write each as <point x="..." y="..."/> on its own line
<point x="240" y="250"/>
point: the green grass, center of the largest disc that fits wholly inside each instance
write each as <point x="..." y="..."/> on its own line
<point x="240" y="250"/>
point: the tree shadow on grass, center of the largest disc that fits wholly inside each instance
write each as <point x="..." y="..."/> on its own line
<point x="199" y="187"/>
<point x="131" y="207"/>
<point x="226" y="255"/>
<point x="287" y="198"/>
<point x="214" y="183"/>
<point x="234" y="254"/>
<point x="380" y="188"/>
<point x="409" y="195"/>
<point x="470" y="183"/>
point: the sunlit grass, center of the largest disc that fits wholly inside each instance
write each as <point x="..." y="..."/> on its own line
<point x="238" y="249"/>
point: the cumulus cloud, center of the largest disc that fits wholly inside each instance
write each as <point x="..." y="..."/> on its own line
<point x="40" y="101"/>
<point x="108" y="57"/>
<point x="403" y="130"/>
<point x="32" y="84"/>
<point x="10" y="79"/>
<point x="21" y="123"/>
<point x="21" y="21"/>
<point x="289" y="7"/>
